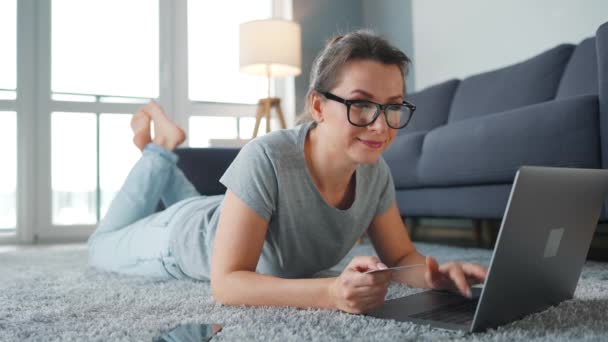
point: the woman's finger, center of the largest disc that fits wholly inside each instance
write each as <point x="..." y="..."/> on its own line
<point x="434" y="277"/>
<point x="475" y="271"/>
<point x="375" y="291"/>
<point x="370" y="303"/>
<point x="457" y="276"/>
<point x="431" y="263"/>
<point x="371" y="279"/>
<point x="365" y="263"/>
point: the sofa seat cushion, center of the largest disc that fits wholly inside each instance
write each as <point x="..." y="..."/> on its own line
<point x="402" y="159"/>
<point x="478" y="201"/>
<point x="490" y="149"/>
<point x="432" y="106"/>
<point x="529" y="82"/>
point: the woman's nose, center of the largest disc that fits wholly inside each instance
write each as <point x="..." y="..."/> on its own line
<point x="380" y="124"/>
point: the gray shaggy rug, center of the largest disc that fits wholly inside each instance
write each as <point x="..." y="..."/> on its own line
<point x="49" y="294"/>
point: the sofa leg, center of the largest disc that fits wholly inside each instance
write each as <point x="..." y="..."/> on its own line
<point x="493" y="230"/>
<point x="478" y="232"/>
<point x="410" y="224"/>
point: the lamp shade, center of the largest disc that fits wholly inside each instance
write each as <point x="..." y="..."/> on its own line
<point x="270" y="47"/>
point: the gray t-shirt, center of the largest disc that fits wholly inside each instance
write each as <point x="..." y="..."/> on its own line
<point x="305" y="233"/>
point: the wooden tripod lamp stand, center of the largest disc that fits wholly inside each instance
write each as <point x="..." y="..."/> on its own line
<point x="271" y="48"/>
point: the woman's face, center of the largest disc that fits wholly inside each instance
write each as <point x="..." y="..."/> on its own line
<point x="361" y="80"/>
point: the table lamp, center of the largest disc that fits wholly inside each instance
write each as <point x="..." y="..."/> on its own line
<point x="271" y="48"/>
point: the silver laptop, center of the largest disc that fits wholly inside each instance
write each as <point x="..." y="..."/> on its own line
<point x="542" y="245"/>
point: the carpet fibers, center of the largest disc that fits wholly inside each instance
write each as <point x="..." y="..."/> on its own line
<point x="51" y="294"/>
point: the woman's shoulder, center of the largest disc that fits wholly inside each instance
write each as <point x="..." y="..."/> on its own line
<point x="278" y="143"/>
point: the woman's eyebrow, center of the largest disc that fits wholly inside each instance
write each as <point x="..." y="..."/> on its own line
<point x="366" y="94"/>
<point x="396" y="97"/>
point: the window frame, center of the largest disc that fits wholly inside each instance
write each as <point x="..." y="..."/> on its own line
<point x="34" y="105"/>
<point x="10" y="236"/>
<point x="22" y="104"/>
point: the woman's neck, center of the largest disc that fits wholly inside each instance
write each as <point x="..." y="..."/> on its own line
<point x="331" y="171"/>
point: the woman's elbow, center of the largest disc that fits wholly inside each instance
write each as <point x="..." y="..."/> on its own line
<point x="217" y="291"/>
<point x="220" y="292"/>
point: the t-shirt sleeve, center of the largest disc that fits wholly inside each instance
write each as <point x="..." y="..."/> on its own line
<point x="252" y="178"/>
<point x="387" y="195"/>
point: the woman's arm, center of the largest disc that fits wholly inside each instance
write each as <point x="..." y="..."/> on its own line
<point x="394" y="247"/>
<point x="238" y="243"/>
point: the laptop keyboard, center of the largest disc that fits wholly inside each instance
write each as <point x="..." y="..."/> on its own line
<point x="456" y="313"/>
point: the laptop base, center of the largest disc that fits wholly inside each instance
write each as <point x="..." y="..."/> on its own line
<point x="439" y="309"/>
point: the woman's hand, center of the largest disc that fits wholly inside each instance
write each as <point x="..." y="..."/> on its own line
<point x="454" y="276"/>
<point x="356" y="292"/>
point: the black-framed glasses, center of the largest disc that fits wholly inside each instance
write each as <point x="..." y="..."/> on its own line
<point x="363" y="113"/>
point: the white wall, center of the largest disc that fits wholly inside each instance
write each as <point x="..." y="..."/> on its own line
<point x="455" y="39"/>
<point x="321" y="20"/>
<point x="393" y="20"/>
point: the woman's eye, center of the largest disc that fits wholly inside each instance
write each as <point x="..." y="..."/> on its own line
<point x="363" y="105"/>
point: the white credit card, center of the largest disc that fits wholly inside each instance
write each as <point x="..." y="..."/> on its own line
<point x="396" y="268"/>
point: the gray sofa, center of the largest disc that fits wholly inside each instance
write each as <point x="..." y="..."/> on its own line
<point x="459" y="155"/>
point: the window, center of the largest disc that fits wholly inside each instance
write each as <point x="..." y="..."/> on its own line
<point x="248" y="124"/>
<point x="213" y="50"/>
<point x="73" y="158"/>
<point x="99" y="61"/>
<point x="8" y="117"/>
<point x="204" y="128"/>
<point x="8" y="171"/>
<point x="107" y="47"/>
<point x="77" y="197"/>
<point x="215" y="77"/>
<point x="117" y="155"/>
<point x="94" y="65"/>
<point x="8" y="42"/>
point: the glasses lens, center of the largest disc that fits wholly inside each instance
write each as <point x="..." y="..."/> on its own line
<point x="398" y="116"/>
<point x="362" y="112"/>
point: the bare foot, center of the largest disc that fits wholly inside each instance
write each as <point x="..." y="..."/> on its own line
<point x="140" y="124"/>
<point x="166" y="132"/>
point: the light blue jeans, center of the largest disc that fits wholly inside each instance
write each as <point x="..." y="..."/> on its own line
<point x="132" y="238"/>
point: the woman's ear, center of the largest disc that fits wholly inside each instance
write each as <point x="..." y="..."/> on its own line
<point x="315" y="107"/>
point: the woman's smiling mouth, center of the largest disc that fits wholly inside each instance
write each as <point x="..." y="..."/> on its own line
<point x="371" y="143"/>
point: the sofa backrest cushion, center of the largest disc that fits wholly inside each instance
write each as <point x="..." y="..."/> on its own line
<point x="432" y="106"/>
<point x="580" y="76"/>
<point x="532" y="81"/>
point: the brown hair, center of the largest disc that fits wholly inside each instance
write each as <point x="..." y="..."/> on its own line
<point x="341" y="49"/>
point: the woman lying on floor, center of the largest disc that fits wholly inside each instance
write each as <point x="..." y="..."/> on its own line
<point x="297" y="200"/>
